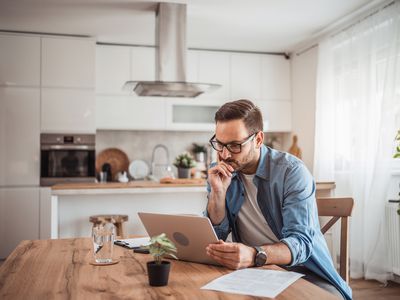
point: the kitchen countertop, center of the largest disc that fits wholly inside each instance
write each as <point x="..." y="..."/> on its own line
<point x="132" y="187"/>
<point x="143" y="186"/>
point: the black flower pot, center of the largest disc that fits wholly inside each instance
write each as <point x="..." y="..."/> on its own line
<point x="158" y="273"/>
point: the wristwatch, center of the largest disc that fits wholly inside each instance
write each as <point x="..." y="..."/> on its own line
<point x="261" y="257"/>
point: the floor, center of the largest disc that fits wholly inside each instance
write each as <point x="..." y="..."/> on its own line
<point x="374" y="290"/>
<point x="368" y="289"/>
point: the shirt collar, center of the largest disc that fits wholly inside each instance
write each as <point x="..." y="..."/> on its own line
<point x="262" y="163"/>
<point x="261" y="168"/>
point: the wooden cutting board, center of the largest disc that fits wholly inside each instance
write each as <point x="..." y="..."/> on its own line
<point x="182" y="180"/>
<point x="117" y="159"/>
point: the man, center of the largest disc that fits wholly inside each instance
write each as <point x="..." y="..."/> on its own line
<point x="266" y="199"/>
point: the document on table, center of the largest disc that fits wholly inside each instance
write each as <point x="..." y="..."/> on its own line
<point x="255" y="282"/>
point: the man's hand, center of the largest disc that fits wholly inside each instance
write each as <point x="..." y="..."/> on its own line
<point x="219" y="177"/>
<point x="232" y="255"/>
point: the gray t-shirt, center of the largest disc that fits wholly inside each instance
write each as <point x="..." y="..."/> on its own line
<point x="253" y="229"/>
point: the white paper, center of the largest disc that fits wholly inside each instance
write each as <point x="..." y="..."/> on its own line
<point x="255" y="282"/>
<point x="137" y="242"/>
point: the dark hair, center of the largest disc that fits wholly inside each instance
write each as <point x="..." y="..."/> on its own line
<point x="241" y="110"/>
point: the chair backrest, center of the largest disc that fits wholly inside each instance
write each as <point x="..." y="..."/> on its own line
<point x="338" y="208"/>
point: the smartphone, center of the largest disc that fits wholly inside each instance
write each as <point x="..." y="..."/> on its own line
<point x="141" y="250"/>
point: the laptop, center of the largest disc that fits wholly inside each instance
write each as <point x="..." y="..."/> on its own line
<point x="190" y="234"/>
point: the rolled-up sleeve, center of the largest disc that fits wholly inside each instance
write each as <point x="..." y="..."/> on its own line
<point x="299" y="212"/>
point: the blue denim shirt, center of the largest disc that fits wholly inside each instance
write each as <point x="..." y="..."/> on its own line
<point x="286" y="196"/>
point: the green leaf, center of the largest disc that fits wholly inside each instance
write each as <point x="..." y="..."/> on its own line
<point x="160" y="246"/>
<point x="397" y="155"/>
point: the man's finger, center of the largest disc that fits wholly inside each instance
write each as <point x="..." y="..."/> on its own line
<point x="225" y="261"/>
<point x="228" y="166"/>
<point x="232" y="256"/>
<point x="224" y="247"/>
<point x="220" y="170"/>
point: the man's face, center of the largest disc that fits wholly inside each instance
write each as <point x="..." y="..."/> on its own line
<point x="235" y="132"/>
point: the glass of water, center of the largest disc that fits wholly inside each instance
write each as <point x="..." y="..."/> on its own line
<point x="103" y="235"/>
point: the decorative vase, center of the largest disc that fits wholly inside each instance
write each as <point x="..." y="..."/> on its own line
<point x="158" y="273"/>
<point x="184" y="172"/>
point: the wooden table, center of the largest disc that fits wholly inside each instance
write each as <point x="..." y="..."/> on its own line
<point x="60" y="269"/>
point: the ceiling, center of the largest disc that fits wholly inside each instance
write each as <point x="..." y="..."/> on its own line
<point x="244" y="25"/>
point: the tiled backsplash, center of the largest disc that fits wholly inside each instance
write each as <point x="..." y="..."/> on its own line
<point x="140" y="144"/>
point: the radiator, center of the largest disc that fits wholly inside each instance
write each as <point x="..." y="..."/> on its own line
<point x="393" y="236"/>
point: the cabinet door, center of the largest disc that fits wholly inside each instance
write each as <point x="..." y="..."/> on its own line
<point x="192" y="66"/>
<point x="213" y="67"/>
<point x="68" y="62"/>
<point x="19" y="60"/>
<point x="275" y="78"/>
<point x="45" y="213"/>
<point x="127" y="112"/>
<point x="68" y="111"/>
<point x="277" y="115"/>
<point x="19" y="136"/>
<point x="143" y="63"/>
<point x="245" y="76"/>
<point x="19" y="217"/>
<point x="112" y="69"/>
<point x="191" y="114"/>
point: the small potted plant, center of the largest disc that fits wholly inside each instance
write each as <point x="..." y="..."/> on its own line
<point x="184" y="162"/>
<point x="158" y="270"/>
<point x="199" y="152"/>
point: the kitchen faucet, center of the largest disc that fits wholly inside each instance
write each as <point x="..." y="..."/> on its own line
<point x="158" y="170"/>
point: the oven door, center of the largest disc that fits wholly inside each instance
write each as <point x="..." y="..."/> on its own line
<point x="62" y="163"/>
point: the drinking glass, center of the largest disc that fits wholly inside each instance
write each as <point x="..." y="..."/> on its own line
<point x="103" y="235"/>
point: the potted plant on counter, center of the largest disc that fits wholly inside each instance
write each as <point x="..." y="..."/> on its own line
<point x="184" y="162"/>
<point x="158" y="270"/>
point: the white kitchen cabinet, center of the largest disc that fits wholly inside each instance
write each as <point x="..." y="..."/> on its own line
<point x="275" y="78"/>
<point x="143" y="63"/>
<point x="192" y="66"/>
<point x="214" y="67"/>
<point x="130" y="113"/>
<point x="112" y="69"/>
<point x="277" y="115"/>
<point x="19" y="60"/>
<point x="68" y="111"/>
<point x="245" y="76"/>
<point x="261" y="78"/>
<point x="19" y="136"/>
<point x="68" y="62"/>
<point x="45" y="210"/>
<point x="191" y="114"/>
<point x="19" y="217"/>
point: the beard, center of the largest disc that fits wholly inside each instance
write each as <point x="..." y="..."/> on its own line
<point x="239" y="166"/>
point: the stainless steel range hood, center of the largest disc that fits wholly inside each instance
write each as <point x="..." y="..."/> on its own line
<point x="170" y="58"/>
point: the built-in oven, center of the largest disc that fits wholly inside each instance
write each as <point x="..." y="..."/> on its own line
<point x="67" y="158"/>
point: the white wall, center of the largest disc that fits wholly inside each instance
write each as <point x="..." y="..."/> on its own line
<point x="304" y="76"/>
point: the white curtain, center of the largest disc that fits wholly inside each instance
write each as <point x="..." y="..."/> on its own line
<point x="357" y="117"/>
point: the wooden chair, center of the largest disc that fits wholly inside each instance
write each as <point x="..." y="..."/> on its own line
<point x="117" y="220"/>
<point x="338" y="208"/>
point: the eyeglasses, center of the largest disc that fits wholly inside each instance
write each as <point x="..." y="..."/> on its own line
<point x="232" y="147"/>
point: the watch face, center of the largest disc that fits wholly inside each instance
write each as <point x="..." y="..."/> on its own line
<point x="261" y="258"/>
